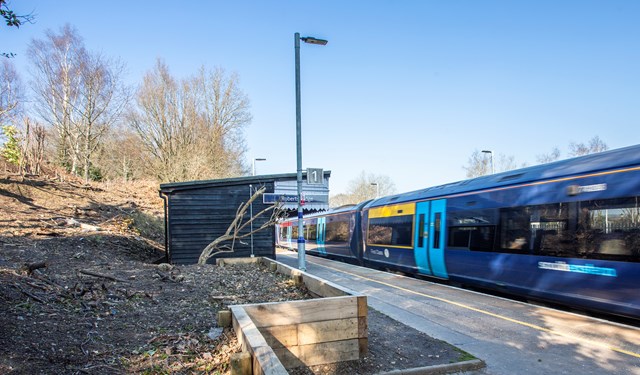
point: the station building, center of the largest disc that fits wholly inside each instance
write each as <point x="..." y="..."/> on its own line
<point x="197" y="212"/>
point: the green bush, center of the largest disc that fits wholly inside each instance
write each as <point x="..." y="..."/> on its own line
<point x="11" y="150"/>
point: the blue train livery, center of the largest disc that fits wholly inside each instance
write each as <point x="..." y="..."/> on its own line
<point x="566" y="232"/>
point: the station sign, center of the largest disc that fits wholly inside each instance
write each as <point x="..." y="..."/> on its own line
<point x="273" y="198"/>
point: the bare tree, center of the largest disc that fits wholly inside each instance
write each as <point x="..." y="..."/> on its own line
<point x="341" y="199"/>
<point x="365" y="186"/>
<point x="159" y="122"/>
<point x="478" y="165"/>
<point x="103" y="98"/>
<point x="223" y="111"/>
<point x="10" y="92"/>
<point x="575" y="149"/>
<point x="193" y="129"/>
<point x="507" y="163"/>
<point x="226" y="242"/>
<point x="33" y="147"/>
<point x="56" y="79"/>
<point x="78" y="93"/>
<point x="129" y="162"/>
<point x="594" y="145"/>
<point x="550" y="157"/>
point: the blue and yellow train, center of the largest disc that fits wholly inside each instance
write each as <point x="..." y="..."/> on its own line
<point x="566" y="232"/>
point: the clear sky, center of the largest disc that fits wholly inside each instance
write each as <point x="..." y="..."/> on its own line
<point x="407" y="89"/>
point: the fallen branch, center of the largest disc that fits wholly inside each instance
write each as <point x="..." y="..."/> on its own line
<point x="46" y="280"/>
<point x="219" y="246"/>
<point x="29" y="294"/>
<point x="33" y="285"/>
<point x="233" y="297"/>
<point x="74" y="222"/>
<point x="95" y="274"/>
<point x="34" y="266"/>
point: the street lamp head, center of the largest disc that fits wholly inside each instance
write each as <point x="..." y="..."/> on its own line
<point x="312" y="40"/>
<point x="487" y="151"/>
<point x="259" y="159"/>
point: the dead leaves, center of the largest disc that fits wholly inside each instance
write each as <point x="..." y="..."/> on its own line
<point x="185" y="353"/>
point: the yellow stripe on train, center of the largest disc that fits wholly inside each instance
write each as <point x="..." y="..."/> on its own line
<point x="393" y="210"/>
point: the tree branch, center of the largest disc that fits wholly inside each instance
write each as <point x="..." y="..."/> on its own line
<point x="238" y="224"/>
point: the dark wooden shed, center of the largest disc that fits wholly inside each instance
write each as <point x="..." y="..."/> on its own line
<point x="197" y="212"/>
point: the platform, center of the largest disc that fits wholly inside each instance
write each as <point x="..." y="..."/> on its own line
<point x="510" y="336"/>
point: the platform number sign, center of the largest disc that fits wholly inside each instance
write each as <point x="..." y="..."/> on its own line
<point x="314" y="176"/>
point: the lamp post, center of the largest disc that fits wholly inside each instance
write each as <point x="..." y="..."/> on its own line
<point x="253" y="173"/>
<point x="490" y="158"/>
<point x="377" y="188"/>
<point x="322" y="42"/>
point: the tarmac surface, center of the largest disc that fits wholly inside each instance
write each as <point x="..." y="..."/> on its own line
<point x="511" y="337"/>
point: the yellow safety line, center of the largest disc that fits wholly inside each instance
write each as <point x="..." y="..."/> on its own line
<point x="534" y="326"/>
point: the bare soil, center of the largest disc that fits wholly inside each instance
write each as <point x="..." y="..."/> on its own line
<point x="81" y="291"/>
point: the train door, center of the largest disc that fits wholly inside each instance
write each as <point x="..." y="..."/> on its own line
<point x="437" y="233"/>
<point x="322" y="226"/>
<point x="429" y="248"/>
<point x="421" y="238"/>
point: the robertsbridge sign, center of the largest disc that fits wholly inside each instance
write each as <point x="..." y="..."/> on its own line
<point x="315" y="191"/>
<point x="273" y="198"/>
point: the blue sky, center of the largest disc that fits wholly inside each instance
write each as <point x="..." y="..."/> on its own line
<point x="406" y="89"/>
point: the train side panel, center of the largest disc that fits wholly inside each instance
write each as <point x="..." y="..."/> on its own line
<point x="331" y="235"/>
<point x="575" y="242"/>
<point x="388" y="233"/>
<point x="567" y="233"/>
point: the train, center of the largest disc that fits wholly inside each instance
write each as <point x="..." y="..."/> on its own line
<point x="566" y="233"/>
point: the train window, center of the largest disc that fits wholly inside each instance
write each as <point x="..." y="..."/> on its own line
<point x="436" y="230"/>
<point x="311" y="231"/>
<point x="472" y="229"/>
<point x="609" y="229"/>
<point x="337" y="231"/>
<point x="391" y="231"/>
<point x="283" y="233"/>
<point x="515" y="229"/>
<point x="422" y="233"/>
<point x="294" y="232"/>
<point x="597" y="229"/>
<point x="477" y="238"/>
<point x="460" y="236"/>
<point x="483" y="238"/>
<point x="551" y="232"/>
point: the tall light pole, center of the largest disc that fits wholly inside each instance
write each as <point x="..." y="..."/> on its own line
<point x="377" y="188"/>
<point x="322" y="42"/>
<point x="253" y="173"/>
<point x="490" y="158"/>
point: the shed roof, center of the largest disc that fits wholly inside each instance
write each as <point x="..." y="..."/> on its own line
<point x="187" y="185"/>
<point x="284" y="188"/>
